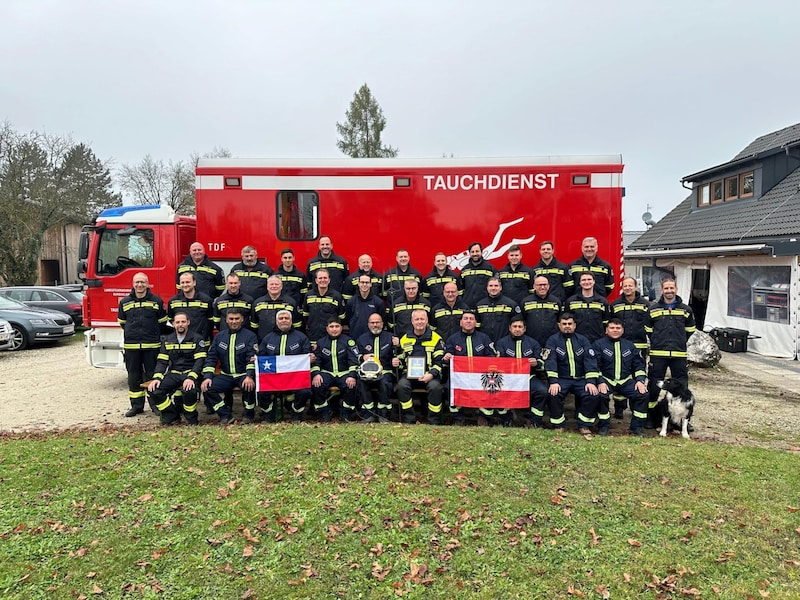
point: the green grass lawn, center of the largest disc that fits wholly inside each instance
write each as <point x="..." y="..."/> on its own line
<point x="383" y="511"/>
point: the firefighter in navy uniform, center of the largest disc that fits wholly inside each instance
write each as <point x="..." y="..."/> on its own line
<point x="516" y="278"/>
<point x="571" y="367"/>
<point x="333" y="263"/>
<point x="423" y="342"/>
<point x="234" y="348"/>
<point x="233" y="297"/>
<point x="350" y="287"/>
<point x="589" y="262"/>
<point x="199" y="308"/>
<point x="266" y="308"/>
<point x="323" y="303"/>
<point x="541" y="310"/>
<point x="394" y="279"/>
<point x="253" y="273"/>
<point x="590" y="309"/>
<point x="440" y="275"/>
<point x="294" y="280"/>
<point x="142" y="316"/>
<point x="284" y="340"/>
<point x="518" y="345"/>
<point x="495" y="310"/>
<point x="671" y="325"/>
<point x="447" y="314"/>
<point x="634" y="312"/>
<point x="402" y="308"/>
<point x="468" y="341"/>
<point x="475" y="275"/>
<point x="379" y="344"/>
<point x="556" y="272"/>
<point x="335" y="364"/>
<point x="210" y="277"/>
<point x="179" y="367"/>
<point x="621" y="371"/>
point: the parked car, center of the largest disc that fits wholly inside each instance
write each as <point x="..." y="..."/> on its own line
<point x="6" y="335"/>
<point x="64" y="298"/>
<point x="34" y="325"/>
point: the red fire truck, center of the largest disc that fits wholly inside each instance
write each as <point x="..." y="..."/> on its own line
<point x="373" y="206"/>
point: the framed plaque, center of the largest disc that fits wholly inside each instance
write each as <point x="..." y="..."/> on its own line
<point x="416" y="367"/>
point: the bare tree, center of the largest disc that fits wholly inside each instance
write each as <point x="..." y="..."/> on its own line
<point x="168" y="183"/>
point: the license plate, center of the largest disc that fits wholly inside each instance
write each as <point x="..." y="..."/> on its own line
<point x="69" y="329"/>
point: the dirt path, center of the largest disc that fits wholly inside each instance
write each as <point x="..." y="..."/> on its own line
<point x="51" y="387"/>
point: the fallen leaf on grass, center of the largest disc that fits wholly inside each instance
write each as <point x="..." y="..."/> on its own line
<point x="248" y="551"/>
<point x="595" y="537"/>
<point x="144" y="498"/>
<point x="634" y="543"/>
<point x="96" y="589"/>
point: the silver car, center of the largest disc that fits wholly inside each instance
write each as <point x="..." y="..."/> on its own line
<point x="34" y="325"/>
<point x="6" y="335"/>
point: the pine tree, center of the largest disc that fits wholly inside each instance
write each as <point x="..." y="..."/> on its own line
<point x="360" y="134"/>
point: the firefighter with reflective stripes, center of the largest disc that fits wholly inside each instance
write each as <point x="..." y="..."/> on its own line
<point x="440" y="275"/>
<point x="197" y="306"/>
<point x="377" y="343"/>
<point x="634" y="312"/>
<point x="179" y="366"/>
<point x="266" y="309"/>
<point x="210" y="276"/>
<point x="295" y="284"/>
<point x="232" y="298"/>
<point x="475" y="275"/>
<point x="516" y="278"/>
<point x="518" y="345"/>
<point x="571" y="367"/>
<point x="469" y="341"/>
<point x="589" y="262"/>
<point x="403" y="307"/>
<point x="541" y="311"/>
<point x="322" y="304"/>
<point x="284" y="340"/>
<point x="142" y="316"/>
<point x="622" y="372"/>
<point x="495" y="310"/>
<point x="335" y="364"/>
<point x="421" y="342"/>
<point x="556" y="272"/>
<point x="671" y="325"/>
<point x="590" y="309"/>
<point x="333" y="263"/>
<point x="447" y="314"/>
<point x="253" y="273"/>
<point x="234" y="349"/>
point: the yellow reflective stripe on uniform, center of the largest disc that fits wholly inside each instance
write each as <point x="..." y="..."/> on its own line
<point x="334" y="357"/>
<point x="232" y="353"/>
<point x="571" y="358"/>
<point x="617" y="362"/>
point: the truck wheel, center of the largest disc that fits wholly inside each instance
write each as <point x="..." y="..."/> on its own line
<point x="19" y="339"/>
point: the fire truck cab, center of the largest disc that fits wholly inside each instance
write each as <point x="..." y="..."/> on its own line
<point x="121" y="242"/>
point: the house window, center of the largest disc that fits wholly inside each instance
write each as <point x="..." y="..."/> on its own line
<point x="759" y="293"/>
<point x="703" y="195"/>
<point x="731" y="188"/>
<point x="746" y="181"/>
<point x="716" y="192"/>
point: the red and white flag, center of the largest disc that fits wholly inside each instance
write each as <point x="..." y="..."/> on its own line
<point x="487" y="382"/>
<point x="283" y="373"/>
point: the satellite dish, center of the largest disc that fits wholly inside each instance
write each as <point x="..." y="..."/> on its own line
<point x="647" y="217"/>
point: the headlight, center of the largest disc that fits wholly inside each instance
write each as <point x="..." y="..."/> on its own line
<point x="45" y="322"/>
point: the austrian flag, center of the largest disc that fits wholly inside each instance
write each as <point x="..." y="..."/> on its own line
<point x="487" y="382"/>
<point x="283" y="373"/>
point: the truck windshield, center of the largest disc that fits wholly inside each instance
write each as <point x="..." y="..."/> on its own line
<point x="119" y="252"/>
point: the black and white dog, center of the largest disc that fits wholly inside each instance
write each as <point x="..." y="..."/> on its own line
<point x="676" y="405"/>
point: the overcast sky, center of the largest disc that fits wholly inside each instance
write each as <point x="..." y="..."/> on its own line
<point x="674" y="86"/>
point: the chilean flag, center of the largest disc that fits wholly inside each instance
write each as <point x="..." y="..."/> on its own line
<point x="283" y="373"/>
<point x="487" y="382"/>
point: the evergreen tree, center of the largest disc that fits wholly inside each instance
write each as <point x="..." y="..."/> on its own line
<point x="360" y="134"/>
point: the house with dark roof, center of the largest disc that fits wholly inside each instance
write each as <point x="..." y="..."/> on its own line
<point x="733" y="244"/>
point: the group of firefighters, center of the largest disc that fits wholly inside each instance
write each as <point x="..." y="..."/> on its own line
<point x="371" y="337"/>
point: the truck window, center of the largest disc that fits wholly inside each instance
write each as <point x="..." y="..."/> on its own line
<point x="298" y="215"/>
<point x="119" y="252"/>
